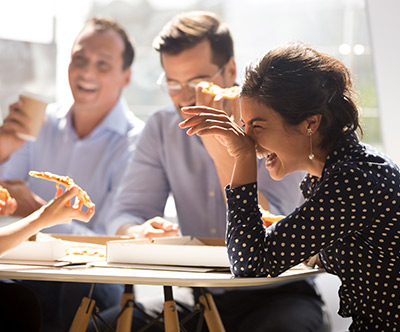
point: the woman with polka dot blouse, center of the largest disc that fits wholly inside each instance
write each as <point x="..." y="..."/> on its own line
<point x="298" y="109"/>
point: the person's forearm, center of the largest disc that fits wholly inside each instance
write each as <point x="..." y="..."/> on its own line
<point x="9" y="143"/>
<point x="222" y="160"/>
<point x="245" y="169"/>
<point x="4" y="155"/>
<point x="13" y="234"/>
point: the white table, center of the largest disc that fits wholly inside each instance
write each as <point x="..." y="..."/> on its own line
<point x="143" y="276"/>
<point x="133" y="276"/>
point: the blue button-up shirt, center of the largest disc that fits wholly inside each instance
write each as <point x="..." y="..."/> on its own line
<point x="95" y="163"/>
<point x="168" y="161"/>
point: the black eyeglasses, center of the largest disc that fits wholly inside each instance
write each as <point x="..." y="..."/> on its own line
<point x="174" y="87"/>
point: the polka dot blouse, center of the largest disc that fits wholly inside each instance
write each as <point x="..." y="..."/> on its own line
<point x="350" y="217"/>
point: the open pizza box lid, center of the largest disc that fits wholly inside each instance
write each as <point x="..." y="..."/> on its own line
<point x="41" y="250"/>
<point x="180" y="251"/>
<point x="52" y="248"/>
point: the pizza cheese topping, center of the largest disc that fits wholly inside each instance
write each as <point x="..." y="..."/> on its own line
<point x="86" y="251"/>
<point x="4" y="194"/>
<point x="215" y="90"/>
<point x="67" y="183"/>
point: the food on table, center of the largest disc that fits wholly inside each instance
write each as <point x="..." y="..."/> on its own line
<point x="269" y="218"/>
<point x="86" y="251"/>
<point x="67" y="183"/>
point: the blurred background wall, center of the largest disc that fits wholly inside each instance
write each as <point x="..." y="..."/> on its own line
<point x="36" y="38"/>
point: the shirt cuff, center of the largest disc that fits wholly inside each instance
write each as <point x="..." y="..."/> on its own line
<point x="243" y="198"/>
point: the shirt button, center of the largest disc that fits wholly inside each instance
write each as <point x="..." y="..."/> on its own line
<point x="211" y="194"/>
<point x="213" y="231"/>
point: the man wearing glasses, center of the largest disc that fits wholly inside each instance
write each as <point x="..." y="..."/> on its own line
<point x="195" y="47"/>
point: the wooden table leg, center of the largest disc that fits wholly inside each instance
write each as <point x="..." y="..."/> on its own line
<point x="211" y="313"/>
<point x="171" y="320"/>
<point x="125" y="320"/>
<point x="82" y="316"/>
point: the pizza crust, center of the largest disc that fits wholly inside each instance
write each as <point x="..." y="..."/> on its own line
<point x="67" y="182"/>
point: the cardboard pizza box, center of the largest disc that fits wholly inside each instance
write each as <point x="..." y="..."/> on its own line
<point x="45" y="247"/>
<point x="95" y="239"/>
<point x="36" y="251"/>
<point x="179" y="251"/>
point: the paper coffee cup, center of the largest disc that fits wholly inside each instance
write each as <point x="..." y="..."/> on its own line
<point x="34" y="107"/>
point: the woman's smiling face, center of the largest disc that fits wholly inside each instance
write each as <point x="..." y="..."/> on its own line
<point x="286" y="148"/>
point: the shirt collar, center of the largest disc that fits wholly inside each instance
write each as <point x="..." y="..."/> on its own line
<point x="342" y="151"/>
<point x="339" y="153"/>
<point x="117" y="120"/>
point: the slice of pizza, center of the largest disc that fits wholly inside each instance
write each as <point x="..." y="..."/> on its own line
<point x="268" y="218"/>
<point x="215" y="90"/>
<point x="67" y="182"/>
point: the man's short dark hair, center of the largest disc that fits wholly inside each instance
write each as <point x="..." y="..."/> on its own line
<point x="102" y="24"/>
<point x="186" y="30"/>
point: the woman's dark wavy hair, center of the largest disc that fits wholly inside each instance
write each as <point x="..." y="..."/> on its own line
<point x="296" y="81"/>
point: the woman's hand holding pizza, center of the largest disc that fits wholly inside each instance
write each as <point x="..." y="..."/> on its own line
<point x="60" y="211"/>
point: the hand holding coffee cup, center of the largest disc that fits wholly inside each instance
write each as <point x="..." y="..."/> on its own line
<point x="15" y="130"/>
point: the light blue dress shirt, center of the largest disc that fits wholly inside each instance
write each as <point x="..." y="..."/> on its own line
<point x="166" y="161"/>
<point x="95" y="163"/>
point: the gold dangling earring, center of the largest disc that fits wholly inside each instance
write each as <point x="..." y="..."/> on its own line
<point x="311" y="155"/>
